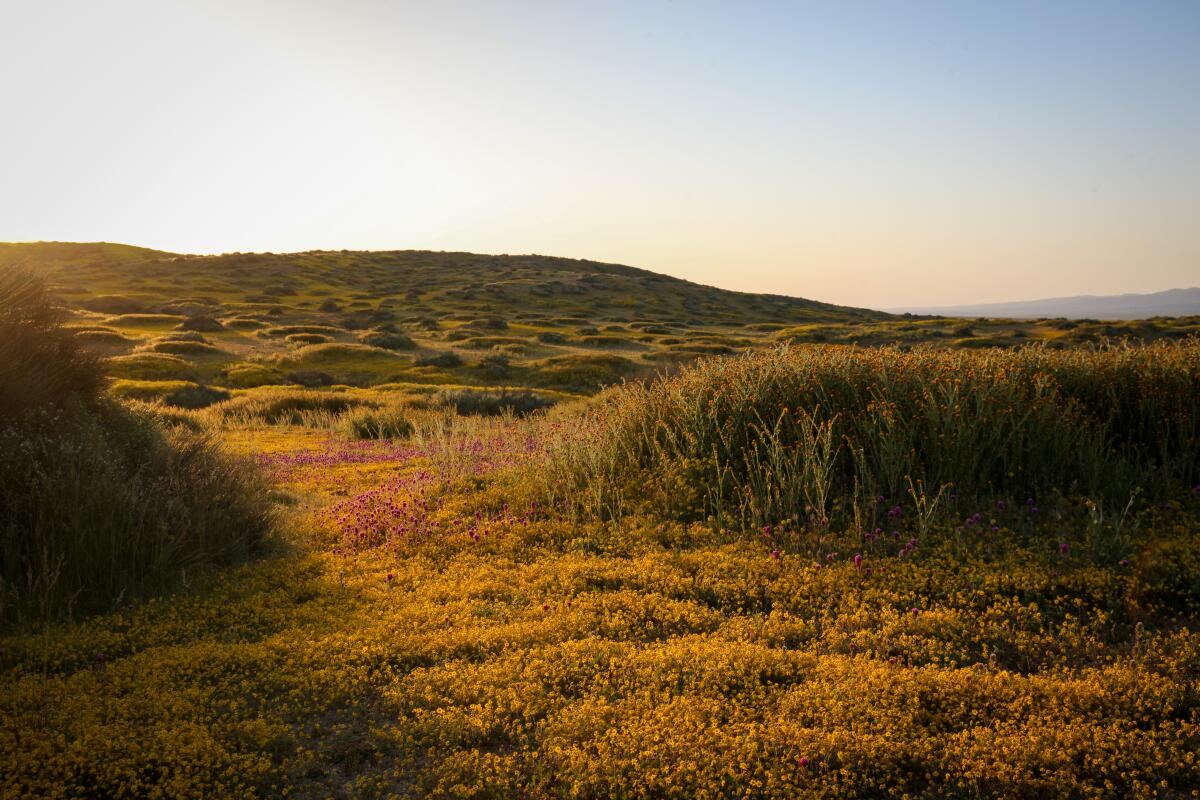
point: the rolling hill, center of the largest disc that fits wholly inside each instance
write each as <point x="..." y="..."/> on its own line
<point x="413" y="320"/>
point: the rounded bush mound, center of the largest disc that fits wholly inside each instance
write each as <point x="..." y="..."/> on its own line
<point x="382" y="423"/>
<point x="101" y="502"/>
<point x="387" y="340"/>
<point x="307" y="338"/>
<point x="286" y="407"/>
<point x="492" y="403"/>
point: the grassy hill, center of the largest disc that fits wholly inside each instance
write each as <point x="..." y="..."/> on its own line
<point x="415" y="319"/>
<point x="360" y="318"/>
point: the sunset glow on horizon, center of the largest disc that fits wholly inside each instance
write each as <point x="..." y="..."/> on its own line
<point x="870" y="154"/>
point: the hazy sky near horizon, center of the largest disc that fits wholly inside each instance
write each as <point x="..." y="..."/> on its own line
<point x="868" y="153"/>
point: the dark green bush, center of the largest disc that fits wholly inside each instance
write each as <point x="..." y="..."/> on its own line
<point x="387" y="340"/>
<point x="100" y="503"/>
<point x="492" y="403"/>
<point x="377" y="423"/>
<point x="446" y="360"/>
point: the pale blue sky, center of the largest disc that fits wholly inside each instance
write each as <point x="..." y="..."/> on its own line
<point x="875" y="154"/>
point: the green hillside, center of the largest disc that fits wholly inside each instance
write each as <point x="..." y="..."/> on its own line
<point x="418" y="319"/>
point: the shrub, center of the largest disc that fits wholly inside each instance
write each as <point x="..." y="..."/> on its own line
<point x="146" y="320"/>
<point x="105" y="339"/>
<point x="41" y="362"/>
<point x="114" y="304"/>
<point x="101" y="503"/>
<point x="150" y="367"/>
<point x="386" y="340"/>
<point x="248" y="376"/>
<point x="182" y="348"/>
<point x="586" y="372"/>
<point x="201" y="323"/>
<point x="245" y="323"/>
<point x="494" y="367"/>
<point x="286" y="407"/>
<point x="491" y="323"/>
<point x="179" y="394"/>
<point x="307" y="338"/>
<point x="549" y="337"/>
<point x="447" y="360"/>
<point x="492" y="403"/>
<point x="289" y="330"/>
<point x="310" y="377"/>
<point x="390" y="422"/>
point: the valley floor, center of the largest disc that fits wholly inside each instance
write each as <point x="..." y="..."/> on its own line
<point x="429" y="631"/>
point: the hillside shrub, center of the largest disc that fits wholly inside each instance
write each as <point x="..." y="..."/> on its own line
<point x="492" y="403"/>
<point x="388" y="422"/>
<point x="101" y="503"/>
<point x="286" y="407"/>
<point x="446" y="360"/>
<point x="387" y="340"/>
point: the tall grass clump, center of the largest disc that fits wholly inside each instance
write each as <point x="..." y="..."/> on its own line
<point x="304" y="407"/>
<point x="387" y="422"/>
<point x="790" y="434"/>
<point x="99" y="502"/>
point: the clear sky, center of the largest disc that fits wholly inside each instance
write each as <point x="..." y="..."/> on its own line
<point x="876" y="154"/>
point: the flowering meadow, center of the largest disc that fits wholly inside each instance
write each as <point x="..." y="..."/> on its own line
<point x="572" y="605"/>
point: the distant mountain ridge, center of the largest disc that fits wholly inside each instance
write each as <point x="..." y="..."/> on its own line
<point x="1169" y="303"/>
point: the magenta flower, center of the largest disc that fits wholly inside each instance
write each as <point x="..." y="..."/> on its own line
<point x="804" y="762"/>
<point x="858" y="560"/>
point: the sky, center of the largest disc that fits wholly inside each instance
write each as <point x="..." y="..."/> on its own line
<point x="874" y="154"/>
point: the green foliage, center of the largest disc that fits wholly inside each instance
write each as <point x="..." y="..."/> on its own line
<point x="286" y="407"/>
<point x="388" y="422"/>
<point x="754" y="440"/>
<point x="492" y="403"/>
<point x="178" y="394"/>
<point x="101" y="503"/>
<point x="42" y="364"/>
<point x="387" y="340"/>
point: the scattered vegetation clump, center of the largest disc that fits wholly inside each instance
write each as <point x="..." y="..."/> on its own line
<point x="387" y="422"/>
<point x="145" y="320"/>
<point x="201" y="323"/>
<point x="149" y="367"/>
<point x="178" y="394"/>
<point x="244" y="323"/>
<point x="104" y="338"/>
<point x="388" y="340"/>
<point x="492" y="323"/>
<point x="287" y="407"/>
<point x="181" y="347"/>
<point x="310" y="378"/>
<point x="334" y="351"/>
<point x="113" y="304"/>
<point x="447" y="359"/>
<point x="281" y="331"/>
<point x="583" y="372"/>
<point x="248" y="376"/>
<point x="307" y="338"/>
<point x="777" y="436"/>
<point x="102" y="504"/>
<point x="492" y="403"/>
